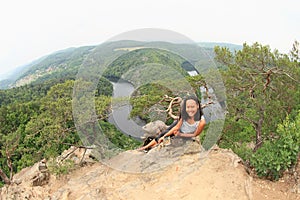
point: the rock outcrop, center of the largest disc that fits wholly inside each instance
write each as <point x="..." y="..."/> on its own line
<point x="182" y="170"/>
<point x="27" y="184"/>
<point x="157" y="158"/>
<point x="154" y="128"/>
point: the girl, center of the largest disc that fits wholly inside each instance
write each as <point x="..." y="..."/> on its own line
<point x="190" y="124"/>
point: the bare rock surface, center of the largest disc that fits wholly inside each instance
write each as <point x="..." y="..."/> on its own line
<point x="152" y="129"/>
<point x="172" y="172"/>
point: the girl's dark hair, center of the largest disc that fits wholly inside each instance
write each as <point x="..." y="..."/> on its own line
<point x="184" y="114"/>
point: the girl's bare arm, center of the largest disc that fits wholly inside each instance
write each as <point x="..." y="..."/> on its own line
<point x="170" y="132"/>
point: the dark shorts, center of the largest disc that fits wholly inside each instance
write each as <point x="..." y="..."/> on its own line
<point x="165" y="131"/>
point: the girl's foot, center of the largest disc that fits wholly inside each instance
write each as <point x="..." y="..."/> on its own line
<point x="140" y="149"/>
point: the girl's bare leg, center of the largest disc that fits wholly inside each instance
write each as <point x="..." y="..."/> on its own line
<point x="151" y="144"/>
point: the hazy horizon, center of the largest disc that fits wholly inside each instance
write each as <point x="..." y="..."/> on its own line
<point x="32" y="29"/>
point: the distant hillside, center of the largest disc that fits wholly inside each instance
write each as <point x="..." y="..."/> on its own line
<point x="55" y="65"/>
<point x="64" y="64"/>
<point x="231" y="47"/>
<point x="12" y="77"/>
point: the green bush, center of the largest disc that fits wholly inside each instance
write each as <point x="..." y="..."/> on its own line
<point x="243" y="151"/>
<point x="62" y="168"/>
<point x="238" y="137"/>
<point x="276" y="156"/>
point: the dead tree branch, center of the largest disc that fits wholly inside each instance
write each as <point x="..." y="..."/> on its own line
<point x="75" y="148"/>
<point x="176" y="100"/>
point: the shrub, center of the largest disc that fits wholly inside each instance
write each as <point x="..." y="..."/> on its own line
<point x="63" y="168"/>
<point x="276" y="156"/>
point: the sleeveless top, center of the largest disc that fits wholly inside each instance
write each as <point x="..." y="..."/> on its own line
<point x="189" y="128"/>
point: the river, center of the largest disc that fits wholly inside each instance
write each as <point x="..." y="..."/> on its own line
<point x="120" y="114"/>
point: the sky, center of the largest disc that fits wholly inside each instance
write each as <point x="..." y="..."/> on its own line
<point x="31" y="29"/>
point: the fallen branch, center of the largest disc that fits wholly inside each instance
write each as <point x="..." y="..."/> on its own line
<point x="76" y="147"/>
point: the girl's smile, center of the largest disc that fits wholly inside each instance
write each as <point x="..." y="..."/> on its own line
<point x="191" y="108"/>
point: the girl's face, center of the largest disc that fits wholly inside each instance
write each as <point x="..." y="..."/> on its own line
<point x="191" y="107"/>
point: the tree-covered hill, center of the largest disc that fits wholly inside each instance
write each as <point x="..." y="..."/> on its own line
<point x="142" y="56"/>
<point x="64" y="64"/>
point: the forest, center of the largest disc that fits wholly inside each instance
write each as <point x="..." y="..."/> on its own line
<point x="262" y="123"/>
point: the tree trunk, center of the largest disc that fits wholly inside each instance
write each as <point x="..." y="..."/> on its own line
<point x="258" y="140"/>
<point x="258" y="129"/>
<point x="4" y="177"/>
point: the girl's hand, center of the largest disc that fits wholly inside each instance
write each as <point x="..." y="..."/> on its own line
<point x="161" y="139"/>
<point x="177" y="133"/>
